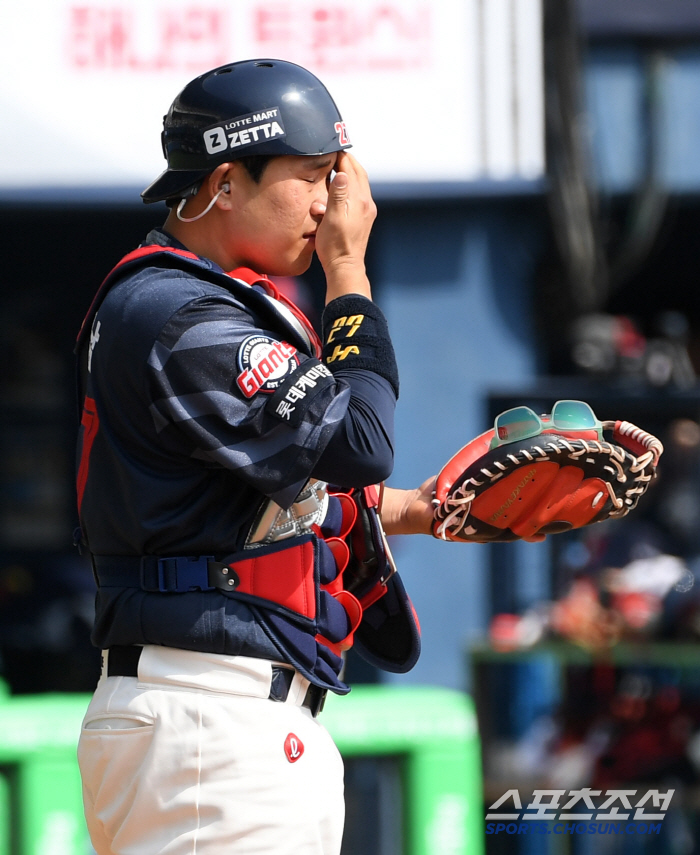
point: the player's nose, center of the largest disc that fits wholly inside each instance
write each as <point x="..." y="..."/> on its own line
<point x="318" y="206"/>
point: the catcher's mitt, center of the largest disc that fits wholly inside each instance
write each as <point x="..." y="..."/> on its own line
<point x="553" y="482"/>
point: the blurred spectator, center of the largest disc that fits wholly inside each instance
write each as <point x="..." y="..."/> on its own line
<point x="612" y="346"/>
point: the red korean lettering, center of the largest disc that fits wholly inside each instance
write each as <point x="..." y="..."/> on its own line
<point x="273" y="24"/>
<point x="190" y="38"/>
<point x="403" y="27"/>
<point x="98" y="37"/>
<point x="193" y="37"/>
<point x="334" y="27"/>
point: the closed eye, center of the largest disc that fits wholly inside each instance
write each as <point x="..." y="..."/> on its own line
<point x="321" y="171"/>
<point x="321" y="175"/>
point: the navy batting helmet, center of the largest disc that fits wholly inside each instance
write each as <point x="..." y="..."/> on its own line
<point x="254" y="107"/>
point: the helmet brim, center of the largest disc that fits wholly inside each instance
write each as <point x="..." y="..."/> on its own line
<point x="172" y="183"/>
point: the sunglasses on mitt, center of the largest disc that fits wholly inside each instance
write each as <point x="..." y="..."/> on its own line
<point x="522" y="423"/>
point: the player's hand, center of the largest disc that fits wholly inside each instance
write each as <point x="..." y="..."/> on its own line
<point x="342" y="235"/>
<point x="408" y="511"/>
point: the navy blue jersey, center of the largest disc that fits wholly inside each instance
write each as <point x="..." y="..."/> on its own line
<point x="203" y="407"/>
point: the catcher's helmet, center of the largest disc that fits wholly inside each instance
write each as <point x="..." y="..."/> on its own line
<point x="257" y="106"/>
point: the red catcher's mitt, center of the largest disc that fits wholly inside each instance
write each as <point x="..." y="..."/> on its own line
<point x="550" y="483"/>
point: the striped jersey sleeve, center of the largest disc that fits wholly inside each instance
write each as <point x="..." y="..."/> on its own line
<point x="211" y="375"/>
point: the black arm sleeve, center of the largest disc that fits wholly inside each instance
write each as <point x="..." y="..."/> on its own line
<point x="356" y="335"/>
<point x="361" y="451"/>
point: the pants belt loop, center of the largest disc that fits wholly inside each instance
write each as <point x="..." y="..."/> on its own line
<point x="298" y="689"/>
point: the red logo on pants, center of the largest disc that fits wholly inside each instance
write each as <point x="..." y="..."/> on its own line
<point x="293" y="747"/>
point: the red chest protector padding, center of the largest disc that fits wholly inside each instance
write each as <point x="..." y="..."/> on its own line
<point x="340" y="586"/>
<point x="329" y="579"/>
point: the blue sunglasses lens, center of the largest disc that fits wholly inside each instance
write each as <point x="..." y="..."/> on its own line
<point x="573" y="415"/>
<point x="515" y="424"/>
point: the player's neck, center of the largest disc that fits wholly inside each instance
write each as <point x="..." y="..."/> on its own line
<point x="202" y="238"/>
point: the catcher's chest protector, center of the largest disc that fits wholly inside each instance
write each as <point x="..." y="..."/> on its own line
<point x="326" y="574"/>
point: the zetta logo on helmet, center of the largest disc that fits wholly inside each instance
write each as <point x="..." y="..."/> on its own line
<point x="244" y="130"/>
<point x="264" y="363"/>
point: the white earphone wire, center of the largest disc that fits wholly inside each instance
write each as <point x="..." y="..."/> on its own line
<point x="199" y="216"/>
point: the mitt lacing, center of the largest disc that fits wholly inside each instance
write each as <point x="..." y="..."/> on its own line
<point x="457" y="507"/>
<point x="647" y="440"/>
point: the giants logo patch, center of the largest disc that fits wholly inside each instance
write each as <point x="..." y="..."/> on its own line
<point x="264" y="363"/>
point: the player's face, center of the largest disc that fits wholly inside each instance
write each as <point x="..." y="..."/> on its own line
<point x="274" y="222"/>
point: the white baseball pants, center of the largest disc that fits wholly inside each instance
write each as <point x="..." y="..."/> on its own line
<point x="192" y="758"/>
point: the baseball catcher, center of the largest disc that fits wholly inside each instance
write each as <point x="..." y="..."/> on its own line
<point x="229" y="463"/>
<point x="532" y="475"/>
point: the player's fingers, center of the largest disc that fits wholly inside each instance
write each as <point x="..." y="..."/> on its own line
<point x="339" y="189"/>
<point x="348" y="190"/>
<point x="352" y="166"/>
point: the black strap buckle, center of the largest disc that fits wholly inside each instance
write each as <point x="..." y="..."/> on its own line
<point x="315" y="699"/>
<point x="180" y="574"/>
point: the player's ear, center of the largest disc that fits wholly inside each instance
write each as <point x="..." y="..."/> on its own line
<point x="220" y="182"/>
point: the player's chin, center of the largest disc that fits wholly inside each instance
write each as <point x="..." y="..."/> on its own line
<point x="289" y="264"/>
<point x="301" y="263"/>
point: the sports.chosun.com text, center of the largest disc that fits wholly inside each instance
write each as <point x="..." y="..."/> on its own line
<point x="573" y="828"/>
